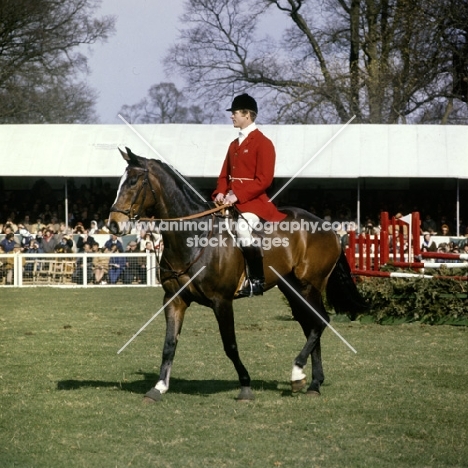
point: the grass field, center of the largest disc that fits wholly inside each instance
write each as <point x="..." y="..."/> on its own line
<point x="68" y="400"/>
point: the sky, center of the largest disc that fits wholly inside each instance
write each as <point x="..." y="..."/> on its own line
<point x="124" y="68"/>
<point x="130" y="62"/>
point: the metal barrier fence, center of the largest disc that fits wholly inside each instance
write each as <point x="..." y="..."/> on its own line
<point x="79" y="270"/>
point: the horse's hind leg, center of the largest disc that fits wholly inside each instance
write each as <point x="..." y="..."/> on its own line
<point x="312" y="348"/>
<point x="175" y="312"/>
<point x="317" y="369"/>
<point x="225" y="316"/>
<point x="313" y="318"/>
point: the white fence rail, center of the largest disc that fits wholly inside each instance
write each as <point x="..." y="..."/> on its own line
<point x="78" y="270"/>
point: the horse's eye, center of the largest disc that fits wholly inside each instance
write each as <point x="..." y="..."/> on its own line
<point x="133" y="180"/>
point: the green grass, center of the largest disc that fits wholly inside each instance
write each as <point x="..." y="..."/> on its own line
<point x="67" y="398"/>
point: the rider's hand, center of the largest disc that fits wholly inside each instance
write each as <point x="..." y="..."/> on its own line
<point x="230" y="199"/>
<point x="219" y="199"/>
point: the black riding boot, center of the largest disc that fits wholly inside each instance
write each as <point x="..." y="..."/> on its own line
<point x="253" y="256"/>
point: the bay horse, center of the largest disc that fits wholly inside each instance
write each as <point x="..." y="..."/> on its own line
<point x="303" y="264"/>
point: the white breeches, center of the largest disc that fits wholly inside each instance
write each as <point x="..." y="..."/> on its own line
<point x="245" y="225"/>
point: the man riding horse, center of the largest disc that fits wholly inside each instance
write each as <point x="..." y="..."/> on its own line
<point x="246" y="174"/>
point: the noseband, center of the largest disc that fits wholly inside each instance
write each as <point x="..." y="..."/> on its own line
<point x="146" y="182"/>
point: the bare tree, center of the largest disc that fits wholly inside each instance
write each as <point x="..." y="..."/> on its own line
<point x="383" y="61"/>
<point x="41" y="67"/>
<point x="165" y="104"/>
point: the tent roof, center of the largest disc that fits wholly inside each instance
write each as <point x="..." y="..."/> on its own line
<point x="199" y="150"/>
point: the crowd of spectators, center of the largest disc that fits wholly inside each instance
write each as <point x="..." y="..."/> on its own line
<point x="33" y="222"/>
<point x="37" y="226"/>
<point x="108" y="268"/>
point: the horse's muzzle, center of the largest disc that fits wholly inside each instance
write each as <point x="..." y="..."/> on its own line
<point x="113" y="227"/>
<point x="118" y="222"/>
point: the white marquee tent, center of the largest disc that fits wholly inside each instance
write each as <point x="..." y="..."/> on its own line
<point x="198" y="150"/>
<point x="303" y="151"/>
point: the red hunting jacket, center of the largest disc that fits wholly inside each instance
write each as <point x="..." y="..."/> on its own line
<point x="248" y="171"/>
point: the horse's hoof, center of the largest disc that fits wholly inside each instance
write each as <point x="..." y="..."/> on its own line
<point x="298" y="385"/>
<point x="153" y="396"/>
<point x="245" y="394"/>
<point x="313" y="393"/>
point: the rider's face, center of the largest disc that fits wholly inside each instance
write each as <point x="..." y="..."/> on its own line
<point x="240" y="120"/>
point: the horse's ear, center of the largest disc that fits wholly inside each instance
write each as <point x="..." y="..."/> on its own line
<point x="130" y="157"/>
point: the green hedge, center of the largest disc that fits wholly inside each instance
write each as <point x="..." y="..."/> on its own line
<point x="433" y="301"/>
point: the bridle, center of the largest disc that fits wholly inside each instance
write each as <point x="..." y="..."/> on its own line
<point x="129" y="212"/>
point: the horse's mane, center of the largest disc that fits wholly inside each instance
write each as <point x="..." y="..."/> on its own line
<point x="181" y="184"/>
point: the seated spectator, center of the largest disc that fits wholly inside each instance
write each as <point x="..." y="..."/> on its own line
<point x="443" y="247"/>
<point x="428" y="244"/>
<point x="64" y="245"/>
<point x="54" y="225"/>
<point x="149" y="247"/>
<point x="49" y="241"/>
<point x="94" y="229"/>
<point x="151" y="238"/>
<point x="84" y="238"/>
<point x="8" y="243"/>
<point x="444" y="230"/>
<point x="141" y="239"/>
<point x="113" y="240"/>
<point x="37" y="226"/>
<point x="39" y="237"/>
<point x="26" y="223"/>
<point x="10" y="225"/>
<point x="155" y="238"/>
<point x="100" y="266"/>
<point x="429" y="224"/>
<point x="79" y="228"/>
<point x="116" y="265"/>
<point x="32" y="248"/>
<point x="7" y="228"/>
<point x="25" y="235"/>
<point x="98" y="221"/>
<point x="370" y="228"/>
<point x="64" y="230"/>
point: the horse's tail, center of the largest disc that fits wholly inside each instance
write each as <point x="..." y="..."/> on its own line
<point x="342" y="292"/>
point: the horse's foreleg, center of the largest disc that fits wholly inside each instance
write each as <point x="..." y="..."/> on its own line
<point x="175" y="312"/>
<point x="225" y="317"/>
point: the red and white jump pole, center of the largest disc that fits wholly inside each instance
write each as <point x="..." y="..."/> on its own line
<point x="397" y="244"/>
